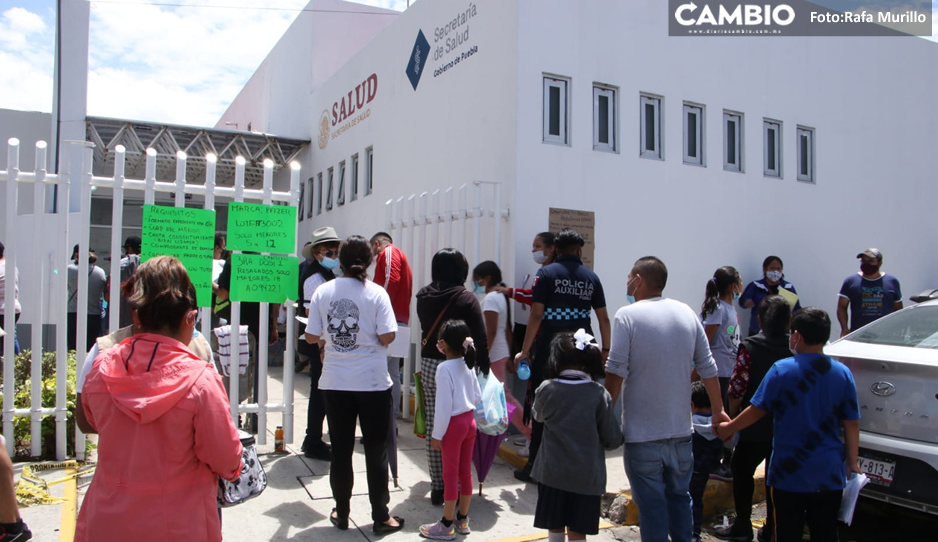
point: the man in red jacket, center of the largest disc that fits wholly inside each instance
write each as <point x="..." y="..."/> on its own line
<point x="393" y="273"/>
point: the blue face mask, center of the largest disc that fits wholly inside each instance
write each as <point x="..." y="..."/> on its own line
<point x="628" y="296"/>
<point x="735" y="296"/>
<point x="479" y="288"/>
<point x="329" y="263"/>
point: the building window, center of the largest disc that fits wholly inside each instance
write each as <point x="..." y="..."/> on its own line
<point x="354" y="179"/>
<point x="329" y="176"/>
<point x="301" y="204"/>
<point x="309" y="196"/>
<point x="605" y="129"/>
<point x="340" y="195"/>
<point x="651" y="135"/>
<point x="693" y="134"/>
<point x="772" y="148"/>
<point x="732" y="141"/>
<point x="806" y="154"/>
<point x="369" y="170"/>
<point x="555" y="110"/>
<point x="319" y="194"/>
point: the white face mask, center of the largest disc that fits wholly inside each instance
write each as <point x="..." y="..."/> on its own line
<point x="774" y="276"/>
<point x="539" y="257"/>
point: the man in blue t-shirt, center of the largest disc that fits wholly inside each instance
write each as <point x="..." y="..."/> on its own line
<point x="810" y="397"/>
<point x="870" y="294"/>
<point x="563" y="295"/>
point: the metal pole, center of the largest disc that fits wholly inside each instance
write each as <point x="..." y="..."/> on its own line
<point x="9" y="316"/>
<point x="290" y="353"/>
<point x="117" y="221"/>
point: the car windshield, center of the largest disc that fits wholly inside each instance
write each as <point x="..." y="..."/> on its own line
<point x="916" y="328"/>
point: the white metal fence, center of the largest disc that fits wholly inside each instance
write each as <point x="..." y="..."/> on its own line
<point x="446" y="218"/>
<point x="76" y="173"/>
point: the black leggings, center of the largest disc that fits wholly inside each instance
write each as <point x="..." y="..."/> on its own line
<point x="746" y="459"/>
<point x="372" y="409"/>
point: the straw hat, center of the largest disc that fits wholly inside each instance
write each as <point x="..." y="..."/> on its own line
<point x="320" y="236"/>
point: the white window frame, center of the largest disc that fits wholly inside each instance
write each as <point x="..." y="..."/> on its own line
<point x="369" y="170"/>
<point x="699" y="111"/>
<point x="330" y="176"/>
<point x="737" y="120"/>
<point x="612" y="113"/>
<point x="318" y="193"/>
<point x="354" y="178"/>
<point x="563" y="85"/>
<point x="805" y="132"/>
<point x="657" y="152"/>
<point x="340" y="191"/>
<point x="767" y="126"/>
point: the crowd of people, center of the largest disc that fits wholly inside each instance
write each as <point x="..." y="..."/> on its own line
<point x="698" y="400"/>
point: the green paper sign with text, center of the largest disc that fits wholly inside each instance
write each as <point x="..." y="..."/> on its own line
<point x="254" y="227"/>
<point x="186" y="234"/>
<point x="265" y="279"/>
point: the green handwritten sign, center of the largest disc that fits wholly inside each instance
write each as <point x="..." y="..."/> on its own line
<point x="266" y="279"/>
<point x="186" y="234"/>
<point x="254" y="227"/>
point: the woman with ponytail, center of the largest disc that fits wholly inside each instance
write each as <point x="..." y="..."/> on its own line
<point x="721" y="324"/>
<point x="352" y="320"/>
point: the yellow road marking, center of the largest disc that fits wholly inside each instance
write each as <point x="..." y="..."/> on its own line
<point x="543" y="535"/>
<point x="70" y="506"/>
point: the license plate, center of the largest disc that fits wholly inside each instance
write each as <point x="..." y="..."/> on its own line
<point x="881" y="472"/>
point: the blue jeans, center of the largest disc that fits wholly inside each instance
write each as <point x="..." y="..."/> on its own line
<point x="659" y="473"/>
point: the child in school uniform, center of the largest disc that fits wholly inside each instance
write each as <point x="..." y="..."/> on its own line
<point x="454" y="428"/>
<point x="708" y="451"/>
<point x="579" y="425"/>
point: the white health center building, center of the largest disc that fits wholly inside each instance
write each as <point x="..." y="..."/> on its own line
<point x="703" y="151"/>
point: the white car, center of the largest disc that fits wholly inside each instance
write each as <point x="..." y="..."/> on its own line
<point x="894" y="361"/>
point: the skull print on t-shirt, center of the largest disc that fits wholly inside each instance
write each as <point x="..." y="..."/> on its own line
<point x="343" y="324"/>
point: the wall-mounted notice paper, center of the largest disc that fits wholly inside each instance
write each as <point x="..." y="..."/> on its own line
<point x="266" y="279"/>
<point x="254" y="227"/>
<point x="186" y="234"/>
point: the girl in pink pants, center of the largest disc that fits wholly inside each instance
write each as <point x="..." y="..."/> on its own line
<point x="454" y="428"/>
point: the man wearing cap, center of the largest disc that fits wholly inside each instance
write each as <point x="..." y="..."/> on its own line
<point x="870" y="294"/>
<point x="322" y="252"/>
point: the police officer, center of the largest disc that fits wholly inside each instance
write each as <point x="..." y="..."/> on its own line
<point x="564" y="293"/>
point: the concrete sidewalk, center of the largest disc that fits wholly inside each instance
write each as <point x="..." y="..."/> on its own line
<point x="298" y="499"/>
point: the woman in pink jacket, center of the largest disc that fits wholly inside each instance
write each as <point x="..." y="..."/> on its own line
<point x="165" y="431"/>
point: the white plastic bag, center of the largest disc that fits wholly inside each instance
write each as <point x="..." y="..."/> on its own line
<point x="492" y="412"/>
<point x="851" y="493"/>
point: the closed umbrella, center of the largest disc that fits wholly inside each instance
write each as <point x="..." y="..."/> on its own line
<point x="486" y="448"/>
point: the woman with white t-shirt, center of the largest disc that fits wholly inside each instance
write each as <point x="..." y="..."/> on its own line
<point x="487" y="276"/>
<point x="352" y="320"/>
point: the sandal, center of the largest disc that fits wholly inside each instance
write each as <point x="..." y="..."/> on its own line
<point x="339" y="523"/>
<point x="384" y="528"/>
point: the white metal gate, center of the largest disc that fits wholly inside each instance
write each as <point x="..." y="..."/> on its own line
<point x="425" y="223"/>
<point x="76" y="170"/>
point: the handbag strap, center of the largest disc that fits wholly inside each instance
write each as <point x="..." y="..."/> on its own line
<point x="437" y="321"/>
